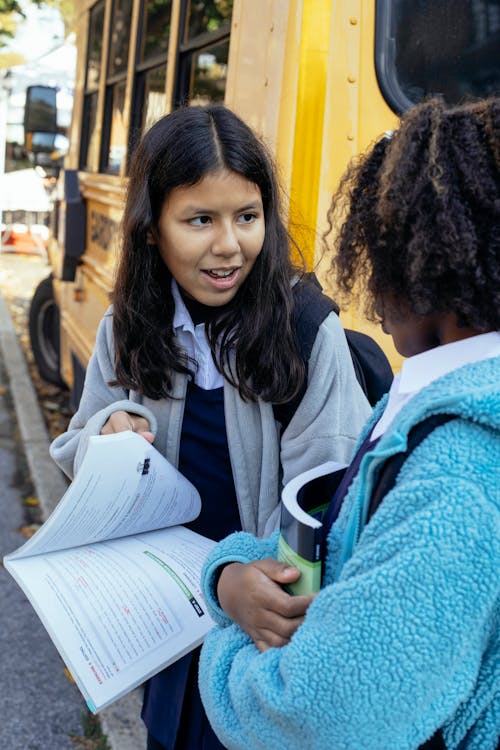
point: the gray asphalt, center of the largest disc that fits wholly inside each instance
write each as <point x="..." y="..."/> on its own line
<point x="39" y="707"/>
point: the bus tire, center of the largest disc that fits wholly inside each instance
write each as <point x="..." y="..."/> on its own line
<point x="44" y="333"/>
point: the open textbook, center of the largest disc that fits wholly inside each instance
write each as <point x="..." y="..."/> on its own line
<point x="112" y="575"/>
<point x="305" y="500"/>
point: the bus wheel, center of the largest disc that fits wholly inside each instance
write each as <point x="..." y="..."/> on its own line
<point x="44" y="332"/>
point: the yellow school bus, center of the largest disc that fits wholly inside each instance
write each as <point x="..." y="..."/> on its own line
<point x="317" y="79"/>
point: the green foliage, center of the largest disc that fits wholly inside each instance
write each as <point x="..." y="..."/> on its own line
<point x="93" y="738"/>
<point x="11" y="6"/>
<point x="208" y="15"/>
<point x="11" y="12"/>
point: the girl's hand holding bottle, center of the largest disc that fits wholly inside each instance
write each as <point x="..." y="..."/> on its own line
<point x="264" y="611"/>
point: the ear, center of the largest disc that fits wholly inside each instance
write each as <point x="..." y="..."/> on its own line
<point x="151" y="237"/>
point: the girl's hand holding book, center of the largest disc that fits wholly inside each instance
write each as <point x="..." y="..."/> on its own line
<point x="120" y="421"/>
<point x="252" y="595"/>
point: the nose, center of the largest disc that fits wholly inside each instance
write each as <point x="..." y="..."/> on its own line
<point x="226" y="240"/>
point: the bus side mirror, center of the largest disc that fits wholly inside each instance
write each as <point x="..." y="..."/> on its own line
<point x="40" y="119"/>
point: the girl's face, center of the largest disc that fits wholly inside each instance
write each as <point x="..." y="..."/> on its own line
<point x="210" y="234"/>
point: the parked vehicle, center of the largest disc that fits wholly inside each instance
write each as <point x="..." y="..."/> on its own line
<point x="318" y="80"/>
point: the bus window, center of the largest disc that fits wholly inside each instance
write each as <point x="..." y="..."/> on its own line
<point x="150" y="96"/>
<point x="202" y="17"/>
<point x="428" y="47"/>
<point x="202" y="54"/>
<point x="89" y="142"/>
<point x="114" y="147"/>
<point x="208" y="74"/>
<point x="203" y="51"/>
<point x="95" y="45"/>
<point x="155" y="98"/>
<point x="115" y="103"/>
<point x="156" y="29"/>
<point x="120" y="38"/>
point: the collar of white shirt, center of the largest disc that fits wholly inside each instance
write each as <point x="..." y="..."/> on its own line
<point x="194" y="340"/>
<point x="420" y="370"/>
<point x="182" y="319"/>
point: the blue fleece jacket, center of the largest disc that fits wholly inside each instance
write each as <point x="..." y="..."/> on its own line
<point x="404" y="637"/>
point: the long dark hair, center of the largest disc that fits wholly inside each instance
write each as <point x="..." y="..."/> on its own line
<point x="252" y="340"/>
<point x="423" y="216"/>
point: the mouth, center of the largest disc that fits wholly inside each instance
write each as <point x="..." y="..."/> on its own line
<point x="220" y="273"/>
<point x="222" y="278"/>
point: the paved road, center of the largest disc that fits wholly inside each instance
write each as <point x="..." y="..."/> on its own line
<point x="39" y="707"/>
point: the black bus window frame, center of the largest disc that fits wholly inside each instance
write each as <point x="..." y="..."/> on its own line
<point x="188" y="47"/>
<point x="217" y="21"/>
<point x="116" y="81"/>
<point x="144" y="65"/>
<point x="91" y="89"/>
<point x="467" y="72"/>
<point x="146" y="53"/>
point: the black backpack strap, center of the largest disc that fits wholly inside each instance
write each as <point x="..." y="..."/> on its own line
<point x="372" y="368"/>
<point x="436" y="742"/>
<point x="391" y="467"/>
<point x="310" y="310"/>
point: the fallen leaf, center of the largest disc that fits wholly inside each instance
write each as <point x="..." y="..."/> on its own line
<point x="28" y="531"/>
<point x="31" y="501"/>
<point x="50" y="405"/>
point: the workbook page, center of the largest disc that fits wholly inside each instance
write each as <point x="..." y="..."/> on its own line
<point x="124" y="486"/>
<point x="119" y="611"/>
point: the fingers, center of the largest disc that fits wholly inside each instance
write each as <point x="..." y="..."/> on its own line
<point x="266" y="638"/>
<point x="283" y="603"/>
<point x="120" y="421"/>
<point x="277" y="571"/>
<point x="252" y="597"/>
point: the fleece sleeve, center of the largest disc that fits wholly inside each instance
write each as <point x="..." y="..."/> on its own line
<point x="334" y="409"/>
<point x="388" y="652"/>
<point x="99" y="400"/>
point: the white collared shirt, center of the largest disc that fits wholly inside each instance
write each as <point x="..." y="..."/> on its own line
<point x="421" y="369"/>
<point x="193" y="339"/>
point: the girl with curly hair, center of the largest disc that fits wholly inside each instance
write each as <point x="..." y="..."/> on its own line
<point x="401" y="646"/>
<point x="201" y="343"/>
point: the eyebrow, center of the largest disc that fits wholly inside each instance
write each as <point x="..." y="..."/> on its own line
<point x="197" y="210"/>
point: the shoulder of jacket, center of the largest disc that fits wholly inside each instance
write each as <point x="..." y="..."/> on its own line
<point x="104" y="337"/>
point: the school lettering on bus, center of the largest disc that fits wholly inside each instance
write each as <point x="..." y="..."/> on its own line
<point x="103" y="229"/>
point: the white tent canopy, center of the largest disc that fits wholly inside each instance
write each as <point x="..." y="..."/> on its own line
<point x="23" y="190"/>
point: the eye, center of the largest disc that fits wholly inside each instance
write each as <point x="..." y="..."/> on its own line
<point x="200" y="221"/>
<point x="246" y="218"/>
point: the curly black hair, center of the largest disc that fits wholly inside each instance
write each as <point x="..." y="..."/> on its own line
<point x="419" y="216"/>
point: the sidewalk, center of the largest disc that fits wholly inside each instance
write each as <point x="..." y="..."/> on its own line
<point x="121" y="722"/>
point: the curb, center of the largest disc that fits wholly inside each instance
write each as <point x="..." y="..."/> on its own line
<point x="121" y="722"/>
<point x="50" y="483"/>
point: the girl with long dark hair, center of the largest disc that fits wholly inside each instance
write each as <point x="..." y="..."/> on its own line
<point x="200" y="350"/>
